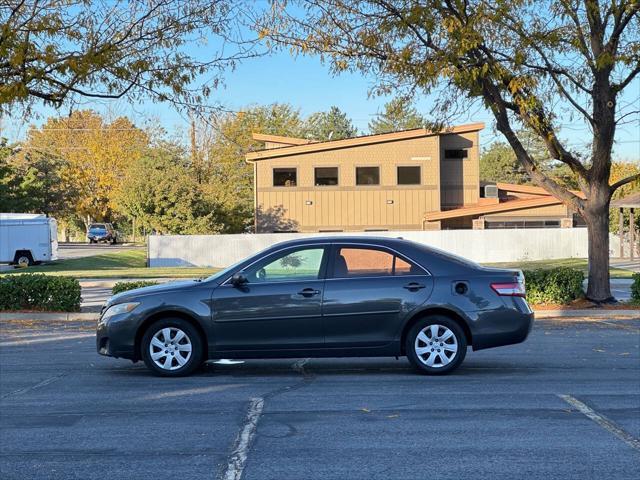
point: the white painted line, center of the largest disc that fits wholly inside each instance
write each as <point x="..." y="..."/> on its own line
<point x="236" y="464"/>
<point x="73" y="336"/>
<point x="191" y="391"/>
<point x="603" y="421"/>
<point x="44" y="382"/>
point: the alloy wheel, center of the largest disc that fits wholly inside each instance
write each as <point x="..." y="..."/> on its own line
<point x="436" y="346"/>
<point x="170" y="348"/>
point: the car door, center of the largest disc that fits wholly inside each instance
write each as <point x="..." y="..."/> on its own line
<point x="369" y="291"/>
<point x="278" y="308"/>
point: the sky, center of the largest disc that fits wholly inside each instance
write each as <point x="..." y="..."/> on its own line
<point x="307" y="84"/>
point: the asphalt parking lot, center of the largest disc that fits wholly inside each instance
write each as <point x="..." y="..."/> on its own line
<point x="565" y="404"/>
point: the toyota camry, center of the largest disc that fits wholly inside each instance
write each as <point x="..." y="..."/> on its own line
<point x="322" y="297"/>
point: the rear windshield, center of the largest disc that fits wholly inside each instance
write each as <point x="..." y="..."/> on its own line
<point x="97" y="226"/>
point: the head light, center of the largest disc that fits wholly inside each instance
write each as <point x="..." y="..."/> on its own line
<point x="119" y="308"/>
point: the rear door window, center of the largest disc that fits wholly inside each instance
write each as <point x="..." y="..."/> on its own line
<point x="354" y="261"/>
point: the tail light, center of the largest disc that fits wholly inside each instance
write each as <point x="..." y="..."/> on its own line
<point x="511" y="289"/>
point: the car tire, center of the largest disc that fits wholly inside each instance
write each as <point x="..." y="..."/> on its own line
<point x="167" y="359"/>
<point x="23" y="259"/>
<point x="431" y="357"/>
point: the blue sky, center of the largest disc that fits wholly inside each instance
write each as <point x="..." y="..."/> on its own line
<point x="308" y="85"/>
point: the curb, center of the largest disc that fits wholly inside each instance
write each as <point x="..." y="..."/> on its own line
<point x="606" y="314"/>
<point x="58" y="316"/>
<point x="109" y="283"/>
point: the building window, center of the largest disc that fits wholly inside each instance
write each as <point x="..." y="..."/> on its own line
<point x="367" y="175"/>
<point x="409" y="175"/>
<point x="456" y="153"/>
<point x="285" y="177"/>
<point x="326" y="176"/>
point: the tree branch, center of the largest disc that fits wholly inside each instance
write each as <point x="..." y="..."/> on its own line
<point x="492" y="92"/>
<point x="624" y="181"/>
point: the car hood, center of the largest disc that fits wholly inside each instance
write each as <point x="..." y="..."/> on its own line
<point x="133" y="295"/>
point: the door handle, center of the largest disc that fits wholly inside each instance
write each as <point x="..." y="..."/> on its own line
<point x="308" y="292"/>
<point x="413" y="286"/>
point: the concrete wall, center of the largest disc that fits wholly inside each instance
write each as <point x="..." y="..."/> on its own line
<point x="477" y="245"/>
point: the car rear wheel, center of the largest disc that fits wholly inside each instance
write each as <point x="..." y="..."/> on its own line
<point x="436" y="345"/>
<point x="172" y="347"/>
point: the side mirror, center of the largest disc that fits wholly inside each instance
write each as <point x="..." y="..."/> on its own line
<point x="238" y="279"/>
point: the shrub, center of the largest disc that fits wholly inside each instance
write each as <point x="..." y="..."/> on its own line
<point x="124" y="286"/>
<point x="635" y="288"/>
<point x="33" y="291"/>
<point x="556" y="285"/>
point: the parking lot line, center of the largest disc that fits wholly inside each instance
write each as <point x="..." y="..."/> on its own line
<point x="44" y="382"/>
<point x="603" y="421"/>
<point x="46" y="338"/>
<point x="243" y="441"/>
<point x="192" y="391"/>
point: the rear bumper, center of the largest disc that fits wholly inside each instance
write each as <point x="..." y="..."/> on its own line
<point x="501" y="327"/>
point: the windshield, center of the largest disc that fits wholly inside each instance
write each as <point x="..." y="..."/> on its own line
<point x="220" y="276"/>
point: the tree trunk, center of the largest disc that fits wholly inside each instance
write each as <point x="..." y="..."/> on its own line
<point x="597" y="219"/>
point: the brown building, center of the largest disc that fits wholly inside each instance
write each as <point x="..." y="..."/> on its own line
<point x="409" y="180"/>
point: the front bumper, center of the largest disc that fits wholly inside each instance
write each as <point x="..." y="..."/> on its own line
<point x="116" y="338"/>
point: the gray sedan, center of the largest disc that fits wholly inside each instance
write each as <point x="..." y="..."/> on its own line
<point x="322" y="297"/>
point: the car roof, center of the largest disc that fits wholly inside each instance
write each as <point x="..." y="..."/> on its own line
<point x="343" y="239"/>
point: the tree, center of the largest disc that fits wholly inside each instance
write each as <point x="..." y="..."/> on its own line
<point x="230" y="177"/>
<point x="92" y="155"/>
<point x="55" y="51"/>
<point x="161" y="192"/>
<point x="620" y="170"/>
<point x="398" y="115"/>
<point x="498" y="163"/>
<point x="331" y="125"/>
<point x="528" y="62"/>
<point x="32" y="186"/>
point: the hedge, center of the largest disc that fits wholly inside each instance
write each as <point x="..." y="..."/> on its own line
<point x="559" y="285"/>
<point x="33" y="291"/>
<point x="124" y="286"/>
<point x="635" y="288"/>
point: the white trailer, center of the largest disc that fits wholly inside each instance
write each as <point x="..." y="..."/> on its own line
<point x="27" y="239"/>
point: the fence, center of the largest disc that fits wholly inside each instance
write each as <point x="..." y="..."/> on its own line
<point x="478" y="245"/>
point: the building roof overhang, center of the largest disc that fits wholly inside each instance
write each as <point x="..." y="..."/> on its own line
<point x="288" y="141"/>
<point x="354" y="142"/>
<point x="506" y="206"/>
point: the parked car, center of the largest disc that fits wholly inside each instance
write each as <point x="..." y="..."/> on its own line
<point x="27" y="239"/>
<point x="102" y="232"/>
<point x="322" y="297"/>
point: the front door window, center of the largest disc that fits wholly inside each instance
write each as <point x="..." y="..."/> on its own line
<point x="302" y="264"/>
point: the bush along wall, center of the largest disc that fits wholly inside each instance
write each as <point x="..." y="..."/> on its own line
<point x="559" y="285"/>
<point x="635" y="289"/>
<point x="33" y="291"/>
<point x="124" y="286"/>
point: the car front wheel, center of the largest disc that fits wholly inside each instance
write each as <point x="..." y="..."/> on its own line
<point x="172" y="347"/>
<point x="436" y="345"/>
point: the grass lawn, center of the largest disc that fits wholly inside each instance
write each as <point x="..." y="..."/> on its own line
<point x="131" y="264"/>
<point x="125" y="264"/>
<point x="579" y="263"/>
